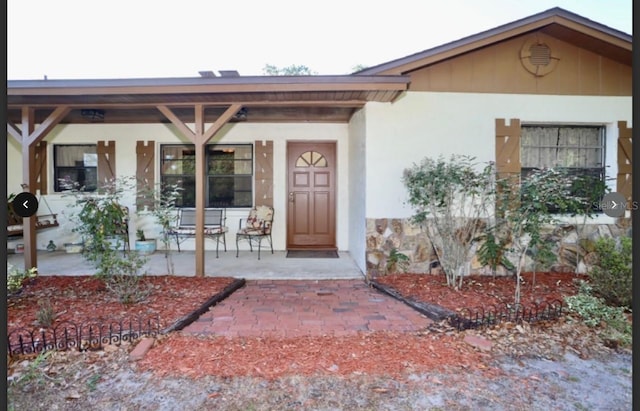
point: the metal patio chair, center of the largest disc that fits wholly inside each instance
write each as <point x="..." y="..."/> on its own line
<point x="257" y="227"/>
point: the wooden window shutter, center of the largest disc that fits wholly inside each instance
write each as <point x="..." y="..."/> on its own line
<point x="508" y="146"/>
<point x="508" y="165"/>
<point x="41" y="166"/>
<point x="145" y="155"/>
<point x="264" y="173"/>
<point x="625" y="159"/>
<point x="106" y="161"/>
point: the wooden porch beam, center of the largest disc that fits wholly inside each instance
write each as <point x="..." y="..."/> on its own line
<point x="14" y="132"/>
<point x="224" y="103"/>
<point x="47" y="125"/>
<point x="221" y="121"/>
<point x="184" y="129"/>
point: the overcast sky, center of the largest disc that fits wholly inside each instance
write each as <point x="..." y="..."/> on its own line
<point x="73" y="39"/>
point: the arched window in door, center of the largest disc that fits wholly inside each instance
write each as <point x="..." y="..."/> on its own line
<point x="311" y="159"/>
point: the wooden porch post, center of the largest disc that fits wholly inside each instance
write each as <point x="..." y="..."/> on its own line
<point x="28" y="137"/>
<point x="200" y="138"/>
<point x="201" y="171"/>
<point x="28" y="183"/>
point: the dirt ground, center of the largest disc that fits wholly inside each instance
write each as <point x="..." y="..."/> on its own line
<point x="559" y="365"/>
<point x="108" y="381"/>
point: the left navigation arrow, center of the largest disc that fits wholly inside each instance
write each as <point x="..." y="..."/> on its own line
<point x="25" y="204"/>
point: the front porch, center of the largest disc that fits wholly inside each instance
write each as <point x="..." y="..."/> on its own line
<point x="274" y="266"/>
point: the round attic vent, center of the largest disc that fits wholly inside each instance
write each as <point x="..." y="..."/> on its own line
<point x="538" y="58"/>
<point x="540" y="55"/>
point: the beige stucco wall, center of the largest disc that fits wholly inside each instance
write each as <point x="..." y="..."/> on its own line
<point x="430" y="124"/>
<point x="126" y="136"/>
<point x="357" y="183"/>
<point x="422" y="124"/>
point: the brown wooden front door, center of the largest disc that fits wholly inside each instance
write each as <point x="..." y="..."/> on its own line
<point x="311" y="210"/>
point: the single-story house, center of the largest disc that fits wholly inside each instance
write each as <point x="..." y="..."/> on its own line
<point x="328" y="152"/>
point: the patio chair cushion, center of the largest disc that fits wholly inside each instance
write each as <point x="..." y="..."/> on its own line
<point x="192" y="231"/>
<point x="258" y="222"/>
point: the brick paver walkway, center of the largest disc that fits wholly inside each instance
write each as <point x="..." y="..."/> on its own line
<point x="288" y="308"/>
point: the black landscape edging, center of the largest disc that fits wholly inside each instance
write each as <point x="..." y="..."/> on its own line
<point x="188" y="319"/>
<point x="478" y="317"/>
<point x="433" y="311"/>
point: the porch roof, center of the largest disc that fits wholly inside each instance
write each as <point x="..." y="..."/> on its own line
<point x="265" y="98"/>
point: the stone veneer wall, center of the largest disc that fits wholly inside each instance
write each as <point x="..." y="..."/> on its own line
<point x="386" y="234"/>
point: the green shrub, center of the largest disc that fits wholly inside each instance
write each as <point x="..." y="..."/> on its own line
<point x="611" y="276"/>
<point x="15" y="277"/>
<point x="397" y="261"/>
<point x="127" y="288"/>
<point x="596" y="313"/>
<point x="492" y="252"/>
<point x="121" y="274"/>
<point x="451" y="200"/>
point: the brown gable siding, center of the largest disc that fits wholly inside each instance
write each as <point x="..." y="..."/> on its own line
<point x="498" y="69"/>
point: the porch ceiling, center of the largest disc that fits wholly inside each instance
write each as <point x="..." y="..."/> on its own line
<point x="266" y="99"/>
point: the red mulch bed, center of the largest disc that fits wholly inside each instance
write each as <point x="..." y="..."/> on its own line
<point x="80" y="299"/>
<point x="484" y="291"/>
<point x="365" y="353"/>
<point x="85" y="298"/>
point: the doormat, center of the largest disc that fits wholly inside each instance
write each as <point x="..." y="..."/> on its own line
<point x="312" y="254"/>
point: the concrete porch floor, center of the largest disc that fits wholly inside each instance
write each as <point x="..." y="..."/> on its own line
<point x="274" y="266"/>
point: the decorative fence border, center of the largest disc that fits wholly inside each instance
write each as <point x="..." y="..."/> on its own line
<point x="479" y="317"/>
<point x="93" y="334"/>
<point x="467" y="318"/>
<point x="89" y="335"/>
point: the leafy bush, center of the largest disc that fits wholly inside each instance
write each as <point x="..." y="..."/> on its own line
<point x="160" y="201"/>
<point x="120" y="272"/>
<point x="100" y="216"/>
<point x="492" y="252"/>
<point x="101" y="220"/>
<point x="450" y="198"/>
<point x="16" y="277"/>
<point x="127" y="288"/>
<point x="525" y="208"/>
<point x="611" y="275"/>
<point x="596" y="313"/>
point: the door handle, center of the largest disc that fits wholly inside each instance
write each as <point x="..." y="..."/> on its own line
<point x="291" y="199"/>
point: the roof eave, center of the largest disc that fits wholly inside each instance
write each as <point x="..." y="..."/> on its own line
<point x="207" y="85"/>
<point x="518" y="27"/>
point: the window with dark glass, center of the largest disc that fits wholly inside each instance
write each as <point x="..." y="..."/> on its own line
<point x="75" y="167"/>
<point x="579" y="150"/>
<point x="229" y="173"/>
